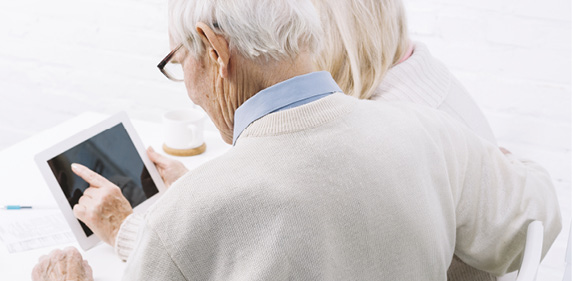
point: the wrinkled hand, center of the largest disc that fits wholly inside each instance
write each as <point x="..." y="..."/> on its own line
<point x="504" y="150"/>
<point x="66" y="264"/>
<point x="169" y="169"/>
<point x="102" y="207"/>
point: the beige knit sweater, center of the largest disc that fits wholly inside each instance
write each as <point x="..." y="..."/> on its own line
<point x="422" y="79"/>
<point x="341" y="189"/>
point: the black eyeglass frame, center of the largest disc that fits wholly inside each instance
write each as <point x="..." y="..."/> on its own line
<point x="166" y="60"/>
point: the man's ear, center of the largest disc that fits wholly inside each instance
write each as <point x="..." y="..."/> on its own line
<point x="216" y="47"/>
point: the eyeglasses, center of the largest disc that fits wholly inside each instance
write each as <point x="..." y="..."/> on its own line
<point x="172" y="70"/>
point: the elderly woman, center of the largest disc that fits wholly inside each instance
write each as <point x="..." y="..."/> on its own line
<point x="368" y="52"/>
<point x="315" y="186"/>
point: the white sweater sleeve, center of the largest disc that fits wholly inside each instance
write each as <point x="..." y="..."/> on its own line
<point x="496" y="199"/>
<point x="150" y="260"/>
<point x="127" y="235"/>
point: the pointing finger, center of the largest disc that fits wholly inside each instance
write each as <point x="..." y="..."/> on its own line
<point x="91" y="177"/>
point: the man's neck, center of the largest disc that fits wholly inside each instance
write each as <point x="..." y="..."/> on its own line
<point x="279" y="71"/>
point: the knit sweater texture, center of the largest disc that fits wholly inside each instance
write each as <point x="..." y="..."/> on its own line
<point x="343" y="189"/>
<point x="422" y="79"/>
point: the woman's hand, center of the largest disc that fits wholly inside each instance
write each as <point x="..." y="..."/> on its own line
<point x="504" y="150"/>
<point x="169" y="169"/>
<point x="62" y="265"/>
<point x="102" y="207"/>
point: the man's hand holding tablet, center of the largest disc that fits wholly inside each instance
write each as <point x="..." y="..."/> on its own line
<point x="169" y="169"/>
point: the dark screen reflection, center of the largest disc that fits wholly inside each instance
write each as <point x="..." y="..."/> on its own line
<point x="112" y="155"/>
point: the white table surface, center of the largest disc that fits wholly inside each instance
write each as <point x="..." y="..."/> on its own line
<point x="22" y="183"/>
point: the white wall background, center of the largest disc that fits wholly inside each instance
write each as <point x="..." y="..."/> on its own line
<point x="515" y="59"/>
<point x="62" y="57"/>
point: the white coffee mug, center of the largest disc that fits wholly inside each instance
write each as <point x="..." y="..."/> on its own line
<point x="183" y="131"/>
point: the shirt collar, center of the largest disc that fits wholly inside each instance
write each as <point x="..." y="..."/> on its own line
<point x="287" y="94"/>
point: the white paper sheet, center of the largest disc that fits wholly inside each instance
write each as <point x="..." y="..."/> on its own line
<point x="22" y="230"/>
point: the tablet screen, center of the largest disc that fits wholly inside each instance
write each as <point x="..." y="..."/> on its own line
<point x="111" y="154"/>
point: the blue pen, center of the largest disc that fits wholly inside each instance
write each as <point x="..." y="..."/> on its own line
<point x="16" y="207"/>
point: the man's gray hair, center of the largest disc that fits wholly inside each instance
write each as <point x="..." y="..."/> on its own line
<point x="267" y="29"/>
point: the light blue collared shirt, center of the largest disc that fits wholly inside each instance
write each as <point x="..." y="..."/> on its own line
<point x="291" y="93"/>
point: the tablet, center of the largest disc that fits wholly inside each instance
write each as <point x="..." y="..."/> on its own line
<point x="111" y="149"/>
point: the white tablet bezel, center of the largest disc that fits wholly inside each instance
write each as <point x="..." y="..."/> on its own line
<point x="43" y="157"/>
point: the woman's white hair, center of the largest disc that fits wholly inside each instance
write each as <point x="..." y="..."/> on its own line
<point x="266" y="29"/>
<point x="363" y="39"/>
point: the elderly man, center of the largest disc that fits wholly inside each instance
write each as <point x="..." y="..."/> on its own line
<point x="318" y="185"/>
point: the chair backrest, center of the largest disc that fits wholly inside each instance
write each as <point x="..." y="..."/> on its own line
<point x="567" y="273"/>
<point x="532" y="252"/>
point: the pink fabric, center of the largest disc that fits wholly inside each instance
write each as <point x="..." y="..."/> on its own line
<point x="407" y="54"/>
